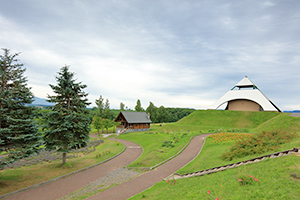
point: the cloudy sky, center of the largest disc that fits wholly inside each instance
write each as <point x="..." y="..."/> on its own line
<point x="171" y="52"/>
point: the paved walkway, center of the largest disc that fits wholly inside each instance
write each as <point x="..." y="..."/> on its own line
<point x="65" y="186"/>
<point x="148" y="179"/>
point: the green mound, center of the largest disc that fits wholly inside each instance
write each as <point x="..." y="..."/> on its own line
<point x="227" y="119"/>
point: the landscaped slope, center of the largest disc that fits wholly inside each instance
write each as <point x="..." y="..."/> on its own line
<point x="227" y="119"/>
<point x="283" y="121"/>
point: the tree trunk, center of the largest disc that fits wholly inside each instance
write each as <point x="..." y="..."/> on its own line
<point x="64" y="159"/>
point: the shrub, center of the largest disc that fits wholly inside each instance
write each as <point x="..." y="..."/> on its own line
<point x="168" y="143"/>
<point x="258" y="144"/>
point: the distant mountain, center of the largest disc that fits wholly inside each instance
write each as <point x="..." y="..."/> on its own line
<point x="41" y="102"/>
<point x="294" y="111"/>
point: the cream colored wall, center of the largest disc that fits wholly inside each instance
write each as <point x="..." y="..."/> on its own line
<point x="243" y="105"/>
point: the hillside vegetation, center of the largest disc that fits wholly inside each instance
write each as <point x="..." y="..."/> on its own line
<point x="227" y="119"/>
<point x="274" y="178"/>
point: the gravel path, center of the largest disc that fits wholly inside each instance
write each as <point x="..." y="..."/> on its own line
<point x="115" y="177"/>
<point x="62" y="187"/>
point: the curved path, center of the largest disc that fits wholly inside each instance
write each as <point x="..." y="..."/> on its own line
<point x="65" y="186"/>
<point x="148" y="179"/>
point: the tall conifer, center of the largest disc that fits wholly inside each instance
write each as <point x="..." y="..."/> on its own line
<point x="68" y="124"/>
<point x="19" y="135"/>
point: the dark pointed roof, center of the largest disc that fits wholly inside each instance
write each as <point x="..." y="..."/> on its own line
<point x="136" y="117"/>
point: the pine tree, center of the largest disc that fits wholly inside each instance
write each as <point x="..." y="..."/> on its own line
<point x="19" y="135"/>
<point x="138" y="107"/>
<point x="107" y="113"/>
<point x="100" y="106"/>
<point x="67" y="124"/>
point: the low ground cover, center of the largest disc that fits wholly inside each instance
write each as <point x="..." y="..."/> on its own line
<point x="277" y="179"/>
<point x="157" y="146"/>
<point x="18" y="178"/>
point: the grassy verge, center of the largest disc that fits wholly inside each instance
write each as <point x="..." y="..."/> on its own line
<point x="278" y="179"/>
<point x="15" y="179"/>
<point x="152" y="143"/>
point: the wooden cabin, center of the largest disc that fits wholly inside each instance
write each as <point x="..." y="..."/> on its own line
<point x="132" y="122"/>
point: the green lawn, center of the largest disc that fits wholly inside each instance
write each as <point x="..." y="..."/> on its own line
<point x="15" y="179"/>
<point x="152" y="141"/>
<point x="278" y="179"/>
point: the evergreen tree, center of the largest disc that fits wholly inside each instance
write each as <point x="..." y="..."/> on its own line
<point x="100" y="106"/>
<point x="107" y="113"/>
<point x="138" y="107"/>
<point x="19" y="135"/>
<point x="68" y="124"/>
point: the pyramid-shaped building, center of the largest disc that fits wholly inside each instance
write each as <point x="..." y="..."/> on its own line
<point x="245" y="96"/>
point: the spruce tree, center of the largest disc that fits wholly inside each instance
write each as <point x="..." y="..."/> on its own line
<point x="19" y="135"/>
<point x="138" y="107"/>
<point x="67" y="124"/>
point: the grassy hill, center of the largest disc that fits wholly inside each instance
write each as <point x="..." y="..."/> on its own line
<point x="227" y="119"/>
<point x="220" y="120"/>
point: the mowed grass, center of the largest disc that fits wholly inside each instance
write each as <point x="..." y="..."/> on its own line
<point x="15" y="179"/>
<point x="153" y="152"/>
<point x="224" y="119"/>
<point x="283" y="121"/>
<point x="278" y="179"/>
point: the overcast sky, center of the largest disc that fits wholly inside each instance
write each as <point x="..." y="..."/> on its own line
<point x="173" y="53"/>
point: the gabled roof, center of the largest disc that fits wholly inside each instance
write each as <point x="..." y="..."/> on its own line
<point x="136" y="117"/>
<point x="253" y="94"/>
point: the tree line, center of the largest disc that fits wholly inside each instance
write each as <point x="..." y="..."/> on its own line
<point x="62" y="127"/>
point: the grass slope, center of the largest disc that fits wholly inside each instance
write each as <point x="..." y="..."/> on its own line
<point x="278" y="179"/>
<point x="217" y="119"/>
<point x="283" y="121"/>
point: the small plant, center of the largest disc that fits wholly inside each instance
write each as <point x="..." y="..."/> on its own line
<point x="208" y="192"/>
<point x="171" y="182"/>
<point x="168" y="143"/>
<point x="247" y="180"/>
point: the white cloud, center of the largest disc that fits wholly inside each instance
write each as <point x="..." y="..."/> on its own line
<point x="181" y="54"/>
